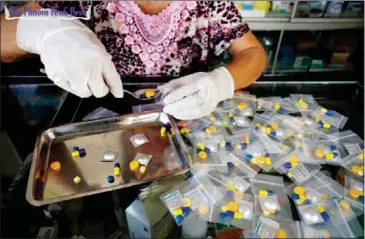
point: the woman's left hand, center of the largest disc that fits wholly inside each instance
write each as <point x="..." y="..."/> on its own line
<point x="197" y="95"/>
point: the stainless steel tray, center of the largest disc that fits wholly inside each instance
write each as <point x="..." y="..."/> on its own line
<point x="170" y="157"/>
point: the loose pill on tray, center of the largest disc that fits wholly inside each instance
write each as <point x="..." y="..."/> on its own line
<point x="139" y="139"/>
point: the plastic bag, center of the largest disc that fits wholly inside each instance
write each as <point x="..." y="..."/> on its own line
<point x="206" y="151"/>
<point x="351" y="141"/>
<point x="189" y="197"/>
<point x="291" y="166"/>
<point x="318" y="189"/>
<point x="236" y="161"/>
<point x="243" y="139"/>
<point x="329" y="118"/>
<point x="304" y="103"/>
<point x="236" y="123"/>
<point x="264" y="185"/>
<point x="321" y="151"/>
<point x="355" y="193"/>
<point x="240" y="105"/>
<point x="355" y="165"/>
<point x="201" y="126"/>
<point x="277" y="104"/>
<point x="265" y="227"/>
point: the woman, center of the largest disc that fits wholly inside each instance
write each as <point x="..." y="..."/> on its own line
<point x="141" y="38"/>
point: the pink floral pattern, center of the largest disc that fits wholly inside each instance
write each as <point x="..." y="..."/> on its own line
<point x="180" y="36"/>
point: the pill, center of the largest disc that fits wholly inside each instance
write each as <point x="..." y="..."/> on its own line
<point x="354" y="193"/>
<point x="344" y="204"/>
<point x="268" y="160"/>
<point x="222" y="216"/>
<point x="249" y="156"/>
<point x="186" y="211"/>
<point x="56" y="166"/>
<point x="75" y="149"/>
<point x="187" y="202"/>
<point x="75" y="154"/>
<point x="261" y="160"/>
<point x="232" y="187"/>
<point x="325" y="216"/>
<point x="117" y="165"/>
<point x="302" y="197"/>
<point x="230" y="165"/>
<point x="232" y="206"/>
<point x="319" y="153"/>
<point x="299" y="190"/>
<point x="320" y="208"/>
<point x="280" y="234"/>
<point x="295" y="196"/>
<point x="277" y="106"/>
<point x="268" y="130"/>
<point x="287" y="165"/>
<point x="163" y="131"/>
<point x="178" y="212"/>
<point x="237" y="215"/>
<point x="204" y="209"/>
<point x="143" y="169"/>
<point x="200" y="146"/>
<point x="318" y="118"/>
<point x="179" y="219"/>
<point x="263" y="193"/>
<point x="274" y="126"/>
<point x="133" y="165"/>
<point x="242" y="105"/>
<point x="270" y="192"/>
<point x="150" y="93"/>
<point x="82" y="152"/>
<point x="273" y="133"/>
<point x="330" y="156"/>
<point x="116" y="171"/>
<point x="77" y="179"/>
<point x="202" y="155"/>
<point x="207" y="130"/>
<point x="326" y="125"/>
<point x="361" y="156"/>
<point x="230" y="214"/>
<point x="110" y="179"/>
<point x="142" y="96"/>
<point x="184" y="131"/>
<point x="294" y="159"/>
<point x="355" y="168"/>
<point x="109" y="156"/>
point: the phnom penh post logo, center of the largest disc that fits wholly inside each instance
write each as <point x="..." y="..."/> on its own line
<point x="28" y="13"/>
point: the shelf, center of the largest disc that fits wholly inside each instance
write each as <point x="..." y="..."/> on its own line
<point x="304" y="24"/>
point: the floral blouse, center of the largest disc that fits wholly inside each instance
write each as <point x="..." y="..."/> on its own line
<point x="181" y="35"/>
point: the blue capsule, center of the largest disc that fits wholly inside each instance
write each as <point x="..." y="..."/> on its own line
<point x="75" y="149"/>
<point x="270" y="192"/>
<point x="82" y="152"/>
<point x="230" y="165"/>
<point x="295" y="196"/>
<point x="320" y="123"/>
<point x="222" y="216"/>
<point x="249" y="157"/>
<point x="228" y="144"/>
<point x="230" y="214"/>
<point x="110" y="179"/>
<point x="361" y="146"/>
<point x="333" y="147"/>
<point x="335" y="155"/>
<point x="273" y="133"/>
<point x="267" y="155"/>
<point x="186" y="211"/>
<point x="142" y="96"/>
<point x="306" y="202"/>
<point x="282" y="111"/>
<point x="329" y="113"/>
<point x="116" y="165"/>
<point x="325" y="216"/>
<point x="243" y="145"/>
<point x="207" y="150"/>
<point x="179" y="219"/>
<point x="287" y="165"/>
<point x="198" y="150"/>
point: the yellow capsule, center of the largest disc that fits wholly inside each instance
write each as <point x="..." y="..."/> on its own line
<point x="142" y="170"/>
<point x="116" y="171"/>
<point x="318" y="118"/>
<point x="232" y="206"/>
<point x="202" y="155"/>
<point x="293" y="159"/>
<point x="299" y="190"/>
<point x="230" y="115"/>
<point x="213" y="129"/>
<point x="187" y="202"/>
<point x="268" y="130"/>
<point x="330" y="156"/>
<point x="150" y="93"/>
<point x="163" y="131"/>
<point x="303" y="197"/>
<point x="207" y="130"/>
<point x="246" y="139"/>
<point x="294" y="165"/>
<point x="254" y="161"/>
<point x="320" y="208"/>
<point x="303" y="105"/>
<point x="133" y="165"/>
<point x="184" y="131"/>
<point x="222" y="143"/>
<point x="361" y="155"/>
<point x="319" y="153"/>
<point x="178" y="212"/>
<point x="326" y="125"/>
<point x="261" y="160"/>
<point x="344" y="204"/>
<point x="200" y="146"/>
<point x="77" y="179"/>
<point x="242" y="105"/>
<point x="277" y="106"/>
<point x="263" y="193"/>
<point x="257" y="125"/>
<point x="232" y="187"/>
<point x="323" y="110"/>
<point x="237" y="215"/>
<point x="274" y="126"/>
<point x="281" y="234"/>
<point x="75" y="154"/>
<point x="172" y="132"/>
<point x="268" y="160"/>
<point x="301" y="101"/>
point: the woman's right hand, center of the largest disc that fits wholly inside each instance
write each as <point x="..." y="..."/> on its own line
<point x="73" y="56"/>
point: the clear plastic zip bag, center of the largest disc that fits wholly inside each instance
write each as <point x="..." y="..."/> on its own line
<point x="292" y="166"/>
<point x="318" y="189"/>
<point x="304" y="103"/>
<point x="351" y="141"/>
<point x="355" y="165"/>
<point x="240" y="105"/>
<point x="236" y="161"/>
<point x="280" y="105"/>
<point x="328" y="118"/>
<point x="270" y="189"/>
<point x="201" y="126"/>
<point x="235" y="123"/>
<point x="355" y="194"/>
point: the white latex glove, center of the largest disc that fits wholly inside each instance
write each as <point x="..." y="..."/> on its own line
<point x="197" y="95"/>
<point x="73" y="56"/>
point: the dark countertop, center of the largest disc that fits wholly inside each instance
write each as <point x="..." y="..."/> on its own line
<point x="344" y="97"/>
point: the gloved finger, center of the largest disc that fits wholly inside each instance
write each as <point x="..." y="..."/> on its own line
<point x="182" y="105"/>
<point x="67" y="87"/>
<point x="112" y="78"/>
<point x="79" y="86"/>
<point x="181" y="93"/>
<point x="96" y="84"/>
